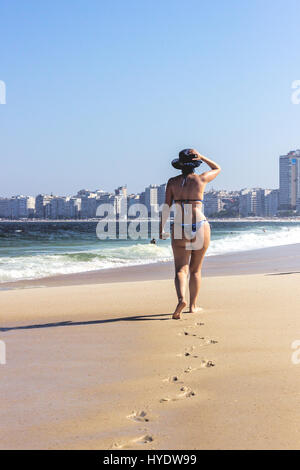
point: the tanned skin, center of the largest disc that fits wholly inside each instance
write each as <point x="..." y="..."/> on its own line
<point x="188" y="263"/>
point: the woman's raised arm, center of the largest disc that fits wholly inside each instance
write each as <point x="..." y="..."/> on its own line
<point x="207" y="176"/>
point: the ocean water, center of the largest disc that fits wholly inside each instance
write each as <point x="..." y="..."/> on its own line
<point x="38" y="249"/>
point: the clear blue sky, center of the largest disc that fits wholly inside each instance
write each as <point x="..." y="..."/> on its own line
<point x="102" y="93"/>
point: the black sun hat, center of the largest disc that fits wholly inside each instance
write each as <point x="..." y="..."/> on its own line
<point x="185" y="160"/>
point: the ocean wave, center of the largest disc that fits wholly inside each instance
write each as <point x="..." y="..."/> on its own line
<point x="259" y="237"/>
<point x="39" y="266"/>
<point x="48" y="261"/>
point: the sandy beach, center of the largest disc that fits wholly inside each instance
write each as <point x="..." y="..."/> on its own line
<point x="101" y="365"/>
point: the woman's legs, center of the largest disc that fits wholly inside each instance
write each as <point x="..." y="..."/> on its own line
<point x="181" y="259"/>
<point x="196" y="261"/>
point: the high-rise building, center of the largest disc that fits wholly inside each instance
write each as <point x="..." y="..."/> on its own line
<point x="212" y="203"/>
<point x="289" y="180"/>
<point x="121" y="191"/>
<point x="89" y="206"/>
<point x="22" y="207"/>
<point x="17" y="207"/>
<point x="41" y="203"/>
<point x="58" y="207"/>
<point x="73" y="206"/>
<point x="5" y="211"/>
<point x="271" y="202"/>
<point x="132" y="200"/>
<point x="142" y="198"/>
<point x="151" y="200"/>
<point x="161" y="194"/>
<point x="119" y="201"/>
<point x="252" y="202"/>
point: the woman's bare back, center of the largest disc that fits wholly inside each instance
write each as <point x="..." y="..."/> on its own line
<point x="187" y="187"/>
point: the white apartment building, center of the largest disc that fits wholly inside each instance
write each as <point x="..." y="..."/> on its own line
<point x="151" y="198"/>
<point x="252" y="202"/>
<point x="212" y="203"/>
<point x="289" y="180"/>
<point x="161" y="194"/>
<point x="58" y="207"/>
<point x="5" y="212"/>
<point x="73" y="207"/>
<point x="42" y="206"/>
<point x="89" y="206"/>
<point x="271" y="202"/>
<point x="17" y="207"/>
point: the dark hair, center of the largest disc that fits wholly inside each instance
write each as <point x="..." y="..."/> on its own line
<point x="188" y="170"/>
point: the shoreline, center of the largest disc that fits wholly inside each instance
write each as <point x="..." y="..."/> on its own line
<point x="272" y="260"/>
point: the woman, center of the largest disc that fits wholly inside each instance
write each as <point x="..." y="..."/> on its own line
<point x="191" y="231"/>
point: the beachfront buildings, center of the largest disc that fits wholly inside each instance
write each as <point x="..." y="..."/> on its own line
<point x="251" y="202"/>
<point x="271" y="202"/>
<point x="161" y="194"/>
<point x="289" y="180"/>
<point x="17" y="207"/>
<point x="86" y="204"/>
<point x="151" y="198"/>
<point x="41" y="201"/>
<point x="258" y="202"/>
<point x="212" y="203"/>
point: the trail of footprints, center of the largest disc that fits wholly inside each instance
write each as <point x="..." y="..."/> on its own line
<point x="184" y="391"/>
<point x="187" y="392"/>
<point x="141" y="417"/>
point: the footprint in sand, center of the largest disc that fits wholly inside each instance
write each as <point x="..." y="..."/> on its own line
<point x="186" y="333"/>
<point x="207" y="340"/>
<point x="188" y="354"/>
<point x="204" y="364"/>
<point x="202" y="338"/>
<point x="173" y="379"/>
<point x="186" y="392"/>
<point x="139" y="416"/>
<point x="189" y="369"/>
<point x="146" y="439"/>
<point x="165" y="399"/>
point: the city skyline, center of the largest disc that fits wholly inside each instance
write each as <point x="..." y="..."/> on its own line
<point x="243" y="203"/>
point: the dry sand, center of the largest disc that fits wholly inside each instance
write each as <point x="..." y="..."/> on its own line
<point x="103" y="366"/>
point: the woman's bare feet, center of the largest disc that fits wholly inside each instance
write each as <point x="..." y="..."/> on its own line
<point x="180" y="306"/>
<point x="194" y="309"/>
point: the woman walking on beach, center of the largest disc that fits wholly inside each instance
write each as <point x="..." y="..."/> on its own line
<point x="191" y="230"/>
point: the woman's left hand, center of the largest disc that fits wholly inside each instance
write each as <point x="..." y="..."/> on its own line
<point x="198" y="155"/>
